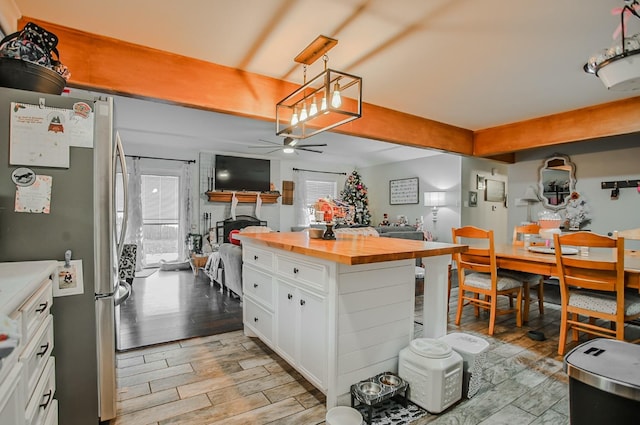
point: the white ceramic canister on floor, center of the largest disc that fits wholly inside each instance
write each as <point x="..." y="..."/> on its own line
<point x="434" y="373"/>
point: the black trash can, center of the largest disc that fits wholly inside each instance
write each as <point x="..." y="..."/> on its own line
<point x="604" y="382"/>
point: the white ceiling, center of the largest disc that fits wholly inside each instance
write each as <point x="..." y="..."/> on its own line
<point x="470" y="63"/>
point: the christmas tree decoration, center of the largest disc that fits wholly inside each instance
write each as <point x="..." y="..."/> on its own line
<point x="355" y="195"/>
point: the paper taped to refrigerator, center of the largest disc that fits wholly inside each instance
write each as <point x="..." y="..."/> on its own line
<point x="41" y="135"/>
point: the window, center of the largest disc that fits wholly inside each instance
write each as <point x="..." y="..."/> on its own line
<point x="316" y="189"/>
<point x="160" y="216"/>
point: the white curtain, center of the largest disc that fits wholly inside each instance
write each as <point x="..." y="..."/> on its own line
<point x="185" y="208"/>
<point x="135" y="233"/>
<point x="300" y="198"/>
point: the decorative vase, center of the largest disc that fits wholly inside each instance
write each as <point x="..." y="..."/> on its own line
<point x="574" y="224"/>
<point x="328" y="234"/>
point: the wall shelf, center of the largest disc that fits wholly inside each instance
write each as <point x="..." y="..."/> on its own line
<point x="244" y="197"/>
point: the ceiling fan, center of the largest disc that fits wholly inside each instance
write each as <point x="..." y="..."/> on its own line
<point x="289" y="145"/>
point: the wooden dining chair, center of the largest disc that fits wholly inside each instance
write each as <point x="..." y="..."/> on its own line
<point x="529" y="280"/>
<point x="593" y="288"/>
<point x="483" y="282"/>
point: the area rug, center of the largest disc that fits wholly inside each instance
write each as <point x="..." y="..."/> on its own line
<point x="146" y="272"/>
<point x="390" y="412"/>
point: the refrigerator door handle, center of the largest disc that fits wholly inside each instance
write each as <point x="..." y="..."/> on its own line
<point x="122" y="293"/>
<point x="119" y="154"/>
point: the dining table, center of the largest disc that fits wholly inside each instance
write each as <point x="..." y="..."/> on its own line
<point x="522" y="259"/>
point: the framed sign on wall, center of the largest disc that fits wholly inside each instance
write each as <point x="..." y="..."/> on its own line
<point x="403" y="191"/>
<point x="495" y="191"/>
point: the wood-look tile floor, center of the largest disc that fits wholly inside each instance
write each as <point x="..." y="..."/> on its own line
<point x="233" y="379"/>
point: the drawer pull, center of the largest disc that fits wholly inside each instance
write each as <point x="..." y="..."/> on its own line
<point x="255" y="319"/>
<point x="289" y="296"/>
<point x="44" y="348"/>
<point x="295" y="270"/>
<point x="46" y="396"/>
<point x="302" y="302"/>
<point x="43" y="306"/>
<point x="255" y="285"/>
<point x="255" y="258"/>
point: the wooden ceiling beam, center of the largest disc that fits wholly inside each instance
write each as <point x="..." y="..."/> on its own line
<point x="608" y="119"/>
<point x="114" y="66"/>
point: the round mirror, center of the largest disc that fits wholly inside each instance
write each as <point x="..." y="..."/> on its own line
<point x="556" y="181"/>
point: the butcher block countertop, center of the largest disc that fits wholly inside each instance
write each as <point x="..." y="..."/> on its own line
<point x="19" y="279"/>
<point x="351" y="249"/>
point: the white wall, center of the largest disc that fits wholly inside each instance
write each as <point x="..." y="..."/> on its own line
<point x="435" y="173"/>
<point x="487" y="215"/>
<point x="620" y="161"/>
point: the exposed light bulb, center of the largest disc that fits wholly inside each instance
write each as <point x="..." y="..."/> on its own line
<point x="313" y="109"/>
<point x="323" y="104"/>
<point x="303" y="113"/>
<point x="288" y="150"/>
<point x="336" y="99"/>
<point x="294" y="117"/>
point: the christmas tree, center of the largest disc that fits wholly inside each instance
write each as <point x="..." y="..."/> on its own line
<point x="355" y="194"/>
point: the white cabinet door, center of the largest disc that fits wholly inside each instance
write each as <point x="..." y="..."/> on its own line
<point x="312" y="336"/>
<point x="287" y="313"/>
<point x="12" y="398"/>
<point x="301" y="331"/>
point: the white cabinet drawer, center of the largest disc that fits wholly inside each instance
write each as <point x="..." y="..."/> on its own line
<point x="36" y="353"/>
<point x="314" y="275"/>
<point x="42" y="398"/>
<point x="259" y="285"/>
<point x="52" y="416"/>
<point x="257" y="257"/>
<point x="258" y="319"/>
<point x="36" y="309"/>
<point x="12" y="400"/>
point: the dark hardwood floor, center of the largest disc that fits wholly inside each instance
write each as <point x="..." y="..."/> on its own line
<point x="175" y="305"/>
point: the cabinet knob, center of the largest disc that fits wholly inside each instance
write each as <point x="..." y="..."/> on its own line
<point x="295" y="270"/>
<point x="44" y="348"/>
<point x="255" y="258"/>
<point x="42" y="307"/>
<point x="302" y="302"/>
<point x="255" y="285"/>
<point x="255" y="319"/>
<point x="289" y="296"/>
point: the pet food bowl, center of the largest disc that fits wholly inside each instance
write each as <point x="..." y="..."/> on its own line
<point x="369" y="388"/>
<point x="343" y="415"/>
<point x="390" y="380"/>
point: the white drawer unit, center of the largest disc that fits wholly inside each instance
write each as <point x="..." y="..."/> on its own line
<point x="42" y="398"/>
<point x="330" y="321"/>
<point x="257" y="257"/>
<point x="35" y="355"/>
<point x="258" y="285"/>
<point x="27" y="391"/>
<point x="259" y="320"/>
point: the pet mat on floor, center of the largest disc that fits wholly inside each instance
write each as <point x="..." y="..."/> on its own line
<point x="390" y="412"/>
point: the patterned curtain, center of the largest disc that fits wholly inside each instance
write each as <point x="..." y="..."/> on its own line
<point x="300" y="198"/>
<point x="135" y="231"/>
<point x="185" y="208"/>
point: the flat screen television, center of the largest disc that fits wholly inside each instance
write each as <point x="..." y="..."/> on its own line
<point x="237" y="173"/>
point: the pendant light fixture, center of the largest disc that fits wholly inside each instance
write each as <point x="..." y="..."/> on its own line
<point x="340" y="97"/>
<point x="618" y="67"/>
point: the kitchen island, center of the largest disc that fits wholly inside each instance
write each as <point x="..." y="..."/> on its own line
<point x="340" y="311"/>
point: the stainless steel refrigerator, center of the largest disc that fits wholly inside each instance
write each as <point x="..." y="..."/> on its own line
<point x="81" y="219"/>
